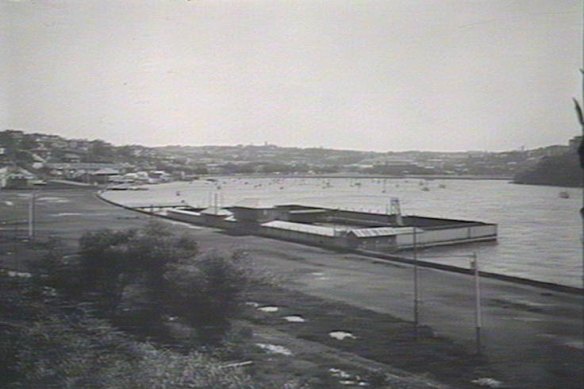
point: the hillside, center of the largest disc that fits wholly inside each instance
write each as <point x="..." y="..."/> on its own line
<point x="51" y="156"/>
<point x="563" y="170"/>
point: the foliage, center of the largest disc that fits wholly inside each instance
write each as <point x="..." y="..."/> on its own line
<point x="105" y="266"/>
<point x="52" y="269"/>
<point x="561" y="170"/>
<point x="43" y="347"/>
<point x="206" y="291"/>
<point x="140" y="277"/>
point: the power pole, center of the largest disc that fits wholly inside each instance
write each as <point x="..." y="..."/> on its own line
<point x="478" y="312"/>
<point x="31" y="216"/>
<point x="416" y="282"/>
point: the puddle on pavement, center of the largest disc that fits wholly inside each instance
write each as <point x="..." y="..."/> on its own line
<point x="488" y="382"/>
<point x="294" y="319"/>
<point x="347" y="379"/>
<point x="274" y="349"/>
<point x="18" y="274"/>
<point x="339" y="373"/>
<point x="342" y="335"/>
<point x="320" y="276"/>
<point x="269" y="309"/>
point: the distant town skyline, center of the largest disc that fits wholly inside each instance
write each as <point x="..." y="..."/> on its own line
<point x="451" y="75"/>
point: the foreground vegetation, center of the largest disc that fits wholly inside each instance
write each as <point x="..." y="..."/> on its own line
<point x="50" y="343"/>
<point x="140" y="279"/>
<point x="85" y="321"/>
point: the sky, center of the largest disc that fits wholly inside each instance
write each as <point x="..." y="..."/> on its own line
<point x="389" y="75"/>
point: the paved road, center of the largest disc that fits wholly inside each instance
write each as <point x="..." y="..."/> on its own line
<point x="533" y="337"/>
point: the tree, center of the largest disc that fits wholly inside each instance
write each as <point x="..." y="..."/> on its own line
<point x="100" y="151"/>
<point x="139" y="277"/>
<point x="128" y="267"/>
<point x="105" y="266"/>
<point x="207" y="292"/>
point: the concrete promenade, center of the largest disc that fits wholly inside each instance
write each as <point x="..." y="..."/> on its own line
<point x="531" y="336"/>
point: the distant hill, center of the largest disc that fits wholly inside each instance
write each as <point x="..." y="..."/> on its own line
<point x="36" y="152"/>
<point x="562" y="170"/>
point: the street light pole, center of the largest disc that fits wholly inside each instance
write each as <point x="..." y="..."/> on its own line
<point x="416" y="282"/>
<point x="478" y="313"/>
<point x="31" y="216"/>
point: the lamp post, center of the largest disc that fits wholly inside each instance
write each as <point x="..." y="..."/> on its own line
<point x="31" y="216"/>
<point x="416" y="284"/>
<point x="478" y="312"/>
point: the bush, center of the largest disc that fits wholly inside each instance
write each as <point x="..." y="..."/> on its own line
<point x="140" y="277"/>
<point x="42" y="347"/>
<point x="113" y="261"/>
<point x="207" y="291"/>
<point x="47" y="342"/>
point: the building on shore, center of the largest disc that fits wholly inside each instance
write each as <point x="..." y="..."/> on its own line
<point x="337" y="228"/>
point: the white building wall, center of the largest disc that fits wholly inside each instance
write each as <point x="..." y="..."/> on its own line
<point x="448" y="235"/>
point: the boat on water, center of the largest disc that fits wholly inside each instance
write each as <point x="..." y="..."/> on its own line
<point x="564" y="195"/>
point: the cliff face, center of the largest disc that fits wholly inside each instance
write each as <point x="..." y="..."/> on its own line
<point x="563" y="170"/>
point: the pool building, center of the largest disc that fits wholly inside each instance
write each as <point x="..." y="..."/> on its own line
<point x="338" y="228"/>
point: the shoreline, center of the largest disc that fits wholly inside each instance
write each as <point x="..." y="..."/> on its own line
<point x="362" y="175"/>
<point x="401" y="259"/>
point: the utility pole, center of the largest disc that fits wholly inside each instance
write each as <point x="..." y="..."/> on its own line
<point x="478" y="313"/>
<point x="31" y="216"/>
<point x="416" y="291"/>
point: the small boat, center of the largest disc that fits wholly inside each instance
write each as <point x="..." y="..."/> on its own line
<point x="564" y="195"/>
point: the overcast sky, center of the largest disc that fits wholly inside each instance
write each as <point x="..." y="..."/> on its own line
<point x="370" y="75"/>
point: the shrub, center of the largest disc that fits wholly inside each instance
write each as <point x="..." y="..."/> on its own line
<point x="207" y="291"/>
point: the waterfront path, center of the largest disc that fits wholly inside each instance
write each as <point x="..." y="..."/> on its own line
<point x="532" y="337"/>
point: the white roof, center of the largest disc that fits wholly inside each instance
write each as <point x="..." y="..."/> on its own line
<point x="381" y="231"/>
<point x="300" y="227"/>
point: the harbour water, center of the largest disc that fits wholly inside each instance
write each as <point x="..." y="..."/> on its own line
<point x="540" y="233"/>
